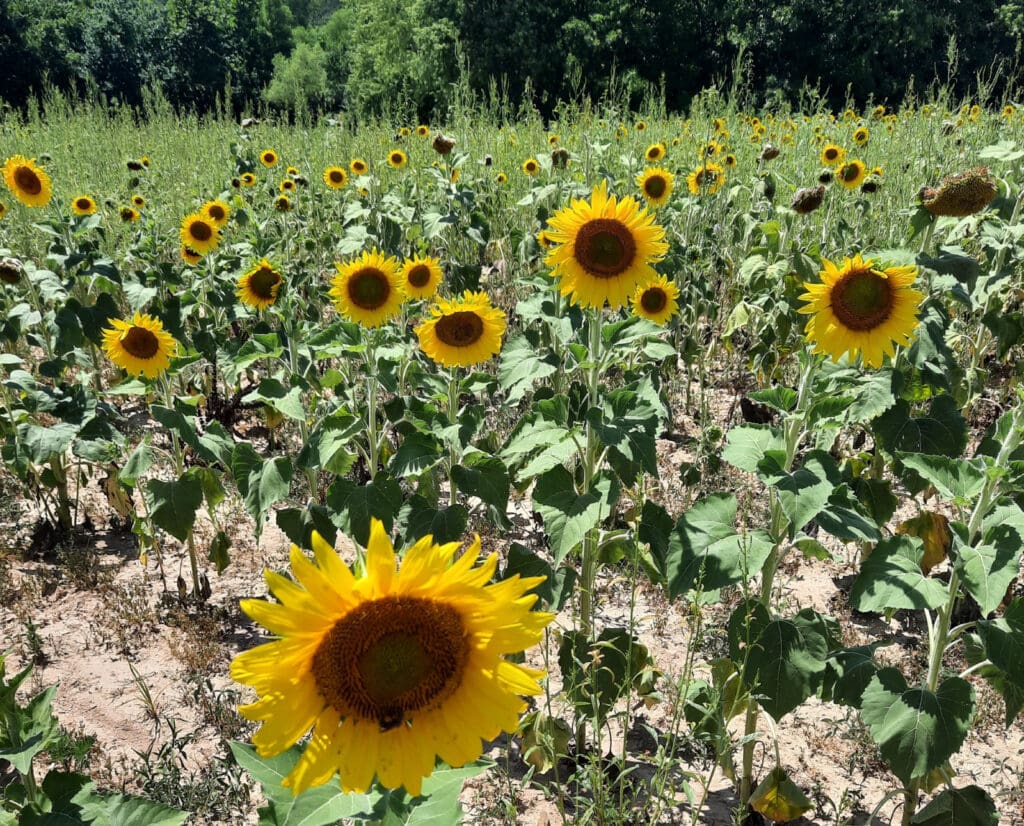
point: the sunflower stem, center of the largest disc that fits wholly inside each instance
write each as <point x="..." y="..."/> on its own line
<point x="453" y="452"/>
<point x="371" y="404"/>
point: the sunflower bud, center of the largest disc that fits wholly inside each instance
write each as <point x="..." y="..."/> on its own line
<point x="442" y="144"/>
<point x="962" y="194"/>
<point x="769" y="152"/>
<point x="560" y="158"/>
<point x="10" y="270"/>
<point x="808" y="199"/>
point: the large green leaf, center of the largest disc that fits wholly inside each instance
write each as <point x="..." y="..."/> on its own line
<point x="805" y="491"/>
<point x="969" y="806"/>
<point x="43" y="443"/>
<point x="916" y="729"/>
<point x="747" y="446"/>
<point x="419" y="518"/>
<point x="285" y="400"/>
<point x="417" y="452"/>
<point x="522" y="364"/>
<point x="352" y="506"/>
<point x="957" y="480"/>
<point x="942" y="431"/>
<point x="172" y="505"/>
<point x="597" y="673"/>
<point x="548" y="443"/>
<point x="891" y="578"/>
<point x="568" y="515"/>
<point x="1004" y="641"/>
<point x="848" y="672"/>
<point x="627" y="424"/>
<point x="441" y="790"/>
<point x="485" y="477"/>
<point x="988" y="568"/>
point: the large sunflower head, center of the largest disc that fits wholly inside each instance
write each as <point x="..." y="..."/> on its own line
<point x="861" y="307"/>
<point x="268" y="157"/>
<point x="605" y="248"/>
<point x="217" y="211"/>
<point x="706" y="179"/>
<point x="335" y="177"/>
<point x="367" y="289"/>
<point x="462" y="331"/>
<point x="421" y="276"/>
<point x="27" y="182"/>
<point x="655" y="185"/>
<point x="199" y="232"/>
<point x="832" y="155"/>
<point x="259" y="287"/>
<point x="656" y="300"/>
<point x="390" y="670"/>
<point x="83" y="205"/>
<point x="851" y="174"/>
<point x="397" y="159"/>
<point x="141" y="346"/>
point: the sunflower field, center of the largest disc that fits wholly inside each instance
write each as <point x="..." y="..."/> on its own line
<point x="615" y="469"/>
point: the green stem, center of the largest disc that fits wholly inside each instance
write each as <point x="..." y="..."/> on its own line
<point x="453" y="451"/>
<point x="293" y="364"/>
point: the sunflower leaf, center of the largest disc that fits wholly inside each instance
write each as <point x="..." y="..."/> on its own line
<point x="173" y="505"/>
<point x="891" y="578"/>
<point x="567" y="514"/>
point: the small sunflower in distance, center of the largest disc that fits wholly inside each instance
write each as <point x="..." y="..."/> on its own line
<point x="282" y="203"/>
<point x="462" y="331"/>
<point x="367" y="289"/>
<point x="852" y="174"/>
<point x="397" y="159"/>
<point x="83" y="205"/>
<point x="359" y="166"/>
<point x="141" y="346"/>
<point x="531" y="166"/>
<point x="27" y="182"/>
<point x="861" y="307"/>
<point x="287" y="185"/>
<point x="861" y="136"/>
<point x="190" y="256"/>
<point x="832" y="155"/>
<point x="656" y="185"/>
<point x="138" y="201"/>
<point x="199" y="232"/>
<point x="501" y="179"/>
<point x="421" y="276"/>
<point x="259" y="287"/>
<point x="423" y="131"/>
<point x="268" y="157"/>
<point x="390" y="670"/>
<point x="335" y="177"/>
<point x="656" y="300"/>
<point x="605" y="247"/>
<point x="655" y="152"/>
<point x="129" y="215"/>
<point x="706" y="179"/>
<point x="248" y="179"/>
<point x="217" y="211"/>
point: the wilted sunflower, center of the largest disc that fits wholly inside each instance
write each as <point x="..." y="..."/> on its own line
<point x="27" y="182"/>
<point x="287" y="185"/>
<point x="397" y="159"/>
<point x="656" y="185"/>
<point x="462" y="331"/>
<point x="138" y="201"/>
<point x="531" y="166"/>
<point x="656" y="300"/>
<point x="282" y="203"/>
<point x="962" y="194"/>
<point x="259" y="287"/>
<point x="10" y="268"/>
<point x="367" y="289"/>
<point x="358" y="166"/>
<point x="199" y="232"/>
<point x="190" y="256"/>
<point x="655" y="152"/>
<point x="217" y="211"/>
<point x="248" y="179"/>
<point x="423" y="131"/>
<point x="83" y="205"/>
<point x="335" y="177"/>
<point x="605" y="248"/>
<point x="861" y="136"/>
<point x="268" y="157"/>
<point x="390" y="670"/>
<point x="421" y="276"/>
<point x="851" y="174"/>
<point x="140" y="346"/>
<point x="706" y="179"/>
<point x="129" y="214"/>
<point x="832" y="155"/>
<point x="861" y="307"/>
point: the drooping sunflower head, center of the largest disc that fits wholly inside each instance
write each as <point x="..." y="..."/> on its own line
<point x="282" y="203"/>
<point x="442" y="144"/>
<point x="129" y="214"/>
<point x="397" y="159"/>
<point x="259" y="286"/>
<point x="247" y="179"/>
<point x="656" y="185"/>
<point x="462" y="331"/>
<point x="861" y="307"/>
<point x="421" y="276"/>
<point x="808" y="199"/>
<point x="832" y="155"/>
<point x="367" y="289"/>
<point x="83" y="205"/>
<point x="359" y="166"/>
<point x="390" y="670"/>
<point x="10" y="269"/>
<point x="655" y="152"/>
<point x="138" y="201"/>
<point x="199" y="232"/>
<point x="141" y="346"/>
<point x="268" y="157"/>
<point x="861" y="135"/>
<point x="706" y="179"/>
<point x="217" y="211"/>
<point x="656" y="300"/>
<point x="640" y="126"/>
<point x="335" y="177"/>
<point x="531" y="166"/>
<point x="27" y="182"/>
<point x="964" y="193"/>
<point x="851" y="174"/>
<point x="605" y="247"/>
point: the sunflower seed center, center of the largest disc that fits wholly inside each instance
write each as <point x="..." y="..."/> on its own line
<point x="336" y="176"/>
<point x="27" y="180"/>
<point x="264" y="283"/>
<point x="460" y="329"/>
<point x="862" y="300"/>
<point x="369" y="289"/>
<point x="200" y="230"/>
<point x="419" y="276"/>
<point x="655" y="186"/>
<point x="83" y="203"/>
<point x="140" y="343"/>
<point x="654" y="300"/>
<point x="605" y="247"/>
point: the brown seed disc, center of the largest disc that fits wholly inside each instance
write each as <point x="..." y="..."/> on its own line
<point x="369" y="288"/>
<point x="27" y="180"/>
<point x="460" y="329"/>
<point x="654" y="300"/>
<point x="655" y="186"/>
<point x="419" y="276"/>
<point x="605" y="247"/>
<point x="141" y="343"/>
<point x="862" y="300"/>
<point x="264" y="282"/>
<point x="200" y="230"/>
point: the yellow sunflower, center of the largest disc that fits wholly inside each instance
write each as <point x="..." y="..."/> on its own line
<point x="861" y="307"/>
<point x="217" y="211"/>
<point x="712" y="149"/>
<point x="861" y="136"/>
<point x="501" y="178"/>
<point x="462" y="331"/>
<point x="832" y="155"/>
<point x="640" y="126"/>
<point x="268" y="157"/>
<point x="200" y="233"/>
<point x="287" y="185"/>
<point x="259" y="287"/>
<point x="390" y="670"/>
<point x="138" y="201"/>
<point x="655" y="152"/>
<point x="605" y="248"/>
<point x="291" y="170"/>
<point x="248" y="179"/>
<point x="706" y="179"/>
<point x="397" y="159"/>
<point x="141" y="346"/>
<point x="190" y="256"/>
<point x="282" y="203"/>
<point x="554" y="139"/>
<point x="83" y="205"/>
<point x="656" y="185"/>
<point x="421" y="276"/>
<point x="656" y="300"/>
<point x="367" y="289"/>
<point x="851" y="174"/>
<point x="423" y="131"/>
<point x="3" y="209"/>
<point x="27" y="182"/>
<point x="729" y="161"/>
<point x="335" y="177"/>
<point x="531" y="166"/>
<point x="359" y="166"/>
<point x="544" y="239"/>
<point x="129" y="214"/>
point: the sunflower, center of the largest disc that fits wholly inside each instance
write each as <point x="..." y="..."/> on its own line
<point x="190" y="256"/>
<point x="861" y="307"/>
<point x="656" y="300"/>
<point x="706" y="179"/>
<point x="851" y="174"/>
<point x="390" y="670"/>
<point x="397" y="159"/>
<point x="335" y="177"/>
<point x="832" y="155"/>
<point x="462" y="331"/>
<point x="248" y="179"/>
<point x="287" y="185"/>
<point x="423" y="131"/>
<point x="655" y="152"/>
<point x="718" y="125"/>
<point x="861" y="136"/>
<point x="605" y="248"/>
<point x="282" y="203"/>
<point x="258" y="288"/>
<point x="138" y="201"/>
<point x="367" y="289"/>
<point x="421" y="276"/>
<point x="553" y="140"/>
<point x="28" y="183"/>
<point x="530" y="166"/>
<point x="217" y="211"/>
<point x="83" y="205"/>
<point x="144" y="160"/>
<point x="200" y="233"/>
<point x="3" y="209"/>
<point x="359" y="166"/>
<point x="712" y="149"/>
<point x="141" y="346"/>
<point x="655" y="185"/>
<point x="501" y="178"/>
<point x="729" y="161"/>
<point x="268" y="157"/>
<point x="640" y="126"/>
<point x="291" y="170"/>
<point x="129" y="214"/>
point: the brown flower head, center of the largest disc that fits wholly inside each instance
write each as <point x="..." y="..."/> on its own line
<point x="442" y="144"/>
<point x="808" y="199"/>
<point x="962" y="194"/>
